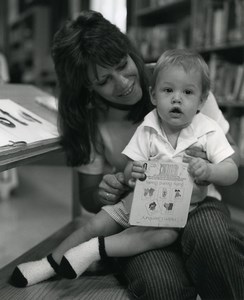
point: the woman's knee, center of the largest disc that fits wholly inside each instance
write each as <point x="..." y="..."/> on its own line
<point x="158" y="287"/>
<point x="158" y="275"/>
<point x="214" y="230"/>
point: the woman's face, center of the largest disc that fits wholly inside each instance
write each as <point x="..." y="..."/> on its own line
<point x="117" y="84"/>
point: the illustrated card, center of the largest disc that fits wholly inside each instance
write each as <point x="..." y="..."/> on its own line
<point x="163" y="198"/>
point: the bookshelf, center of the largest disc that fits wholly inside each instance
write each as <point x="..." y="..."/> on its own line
<point x="29" y="44"/>
<point x="215" y="28"/>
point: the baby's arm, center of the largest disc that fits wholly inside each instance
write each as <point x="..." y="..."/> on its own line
<point x="134" y="170"/>
<point x="223" y="173"/>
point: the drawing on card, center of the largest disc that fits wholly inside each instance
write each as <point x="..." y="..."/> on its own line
<point x="162" y="199"/>
<point x="169" y="207"/>
<point x="149" y="191"/>
<point x="152" y="208"/>
<point x="178" y="191"/>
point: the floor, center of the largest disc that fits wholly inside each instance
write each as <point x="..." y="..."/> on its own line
<point x="38" y="207"/>
<point x="41" y="205"/>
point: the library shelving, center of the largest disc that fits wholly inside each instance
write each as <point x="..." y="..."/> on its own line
<point x="215" y="28"/>
<point x="29" y="44"/>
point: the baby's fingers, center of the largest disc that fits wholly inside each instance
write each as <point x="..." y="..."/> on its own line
<point x="138" y="175"/>
<point x="137" y="169"/>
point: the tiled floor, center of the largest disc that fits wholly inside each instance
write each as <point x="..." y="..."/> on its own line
<point x="38" y="207"/>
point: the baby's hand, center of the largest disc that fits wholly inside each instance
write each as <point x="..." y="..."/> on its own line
<point x="137" y="172"/>
<point x="199" y="169"/>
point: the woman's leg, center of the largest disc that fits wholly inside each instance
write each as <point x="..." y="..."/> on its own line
<point x="158" y="275"/>
<point x="36" y="271"/>
<point x="214" y="252"/>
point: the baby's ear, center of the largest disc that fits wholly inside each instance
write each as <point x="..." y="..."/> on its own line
<point x="152" y="96"/>
<point x="205" y="97"/>
<point x="202" y="102"/>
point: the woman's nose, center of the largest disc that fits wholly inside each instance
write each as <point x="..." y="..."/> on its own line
<point x="121" y="81"/>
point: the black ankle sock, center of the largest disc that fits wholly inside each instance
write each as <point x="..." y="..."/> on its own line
<point x="17" y="279"/>
<point x="53" y="263"/>
<point x="102" y="250"/>
<point x="66" y="269"/>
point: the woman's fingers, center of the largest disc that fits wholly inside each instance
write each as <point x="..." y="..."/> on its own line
<point x="111" y="184"/>
<point x="196" y="152"/>
<point x="108" y="198"/>
<point x="111" y="188"/>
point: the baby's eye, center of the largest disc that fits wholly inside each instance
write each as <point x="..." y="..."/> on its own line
<point x="168" y="90"/>
<point x="188" y="92"/>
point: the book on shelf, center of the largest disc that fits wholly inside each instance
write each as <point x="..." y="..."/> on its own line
<point x="19" y="127"/>
<point x="152" y="41"/>
<point x="237" y="132"/>
<point x="217" y="22"/>
<point x="227" y="79"/>
<point x="163" y="198"/>
<point x="239" y="82"/>
<point x="241" y="137"/>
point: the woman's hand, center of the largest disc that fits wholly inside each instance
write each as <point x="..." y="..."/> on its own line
<point x="111" y="188"/>
<point x="195" y="152"/>
<point x="198" y="153"/>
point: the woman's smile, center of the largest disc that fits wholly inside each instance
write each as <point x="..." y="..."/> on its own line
<point x="127" y="90"/>
<point x="119" y="84"/>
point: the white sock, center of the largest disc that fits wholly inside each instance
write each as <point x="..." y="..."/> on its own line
<point x="79" y="258"/>
<point x="33" y="272"/>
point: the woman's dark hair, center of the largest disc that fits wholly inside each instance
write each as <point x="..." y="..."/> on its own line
<point x="90" y="39"/>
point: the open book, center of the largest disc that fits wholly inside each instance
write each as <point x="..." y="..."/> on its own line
<point x="21" y="127"/>
<point x="163" y="199"/>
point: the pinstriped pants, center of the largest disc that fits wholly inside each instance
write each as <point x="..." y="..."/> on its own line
<point x="207" y="259"/>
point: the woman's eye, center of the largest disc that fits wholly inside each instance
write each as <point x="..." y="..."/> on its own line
<point x="122" y="65"/>
<point x="102" y="82"/>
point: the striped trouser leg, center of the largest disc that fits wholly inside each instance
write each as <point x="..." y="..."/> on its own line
<point x="157" y="275"/>
<point x="214" y="252"/>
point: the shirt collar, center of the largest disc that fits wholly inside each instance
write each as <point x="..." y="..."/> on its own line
<point x="201" y="124"/>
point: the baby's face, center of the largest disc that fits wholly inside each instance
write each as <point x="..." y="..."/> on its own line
<point x="177" y="96"/>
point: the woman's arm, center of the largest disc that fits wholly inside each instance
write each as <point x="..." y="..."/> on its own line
<point x="98" y="190"/>
<point x="236" y="156"/>
<point x="212" y="110"/>
<point x="88" y="191"/>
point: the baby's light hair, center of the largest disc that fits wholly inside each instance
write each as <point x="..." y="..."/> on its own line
<point x="189" y="60"/>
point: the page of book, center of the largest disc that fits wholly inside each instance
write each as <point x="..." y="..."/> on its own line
<point x="163" y="198"/>
<point x="18" y="125"/>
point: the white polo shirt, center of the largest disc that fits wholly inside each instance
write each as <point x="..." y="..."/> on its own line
<point x="149" y="142"/>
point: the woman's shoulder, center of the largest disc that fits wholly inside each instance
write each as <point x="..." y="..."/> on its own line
<point x="212" y="110"/>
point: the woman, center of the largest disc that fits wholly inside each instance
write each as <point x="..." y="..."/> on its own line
<point x="103" y="98"/>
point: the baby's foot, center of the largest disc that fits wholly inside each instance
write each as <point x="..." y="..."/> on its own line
<point x="76" y="260"/>
<point x="33" y="272"/>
